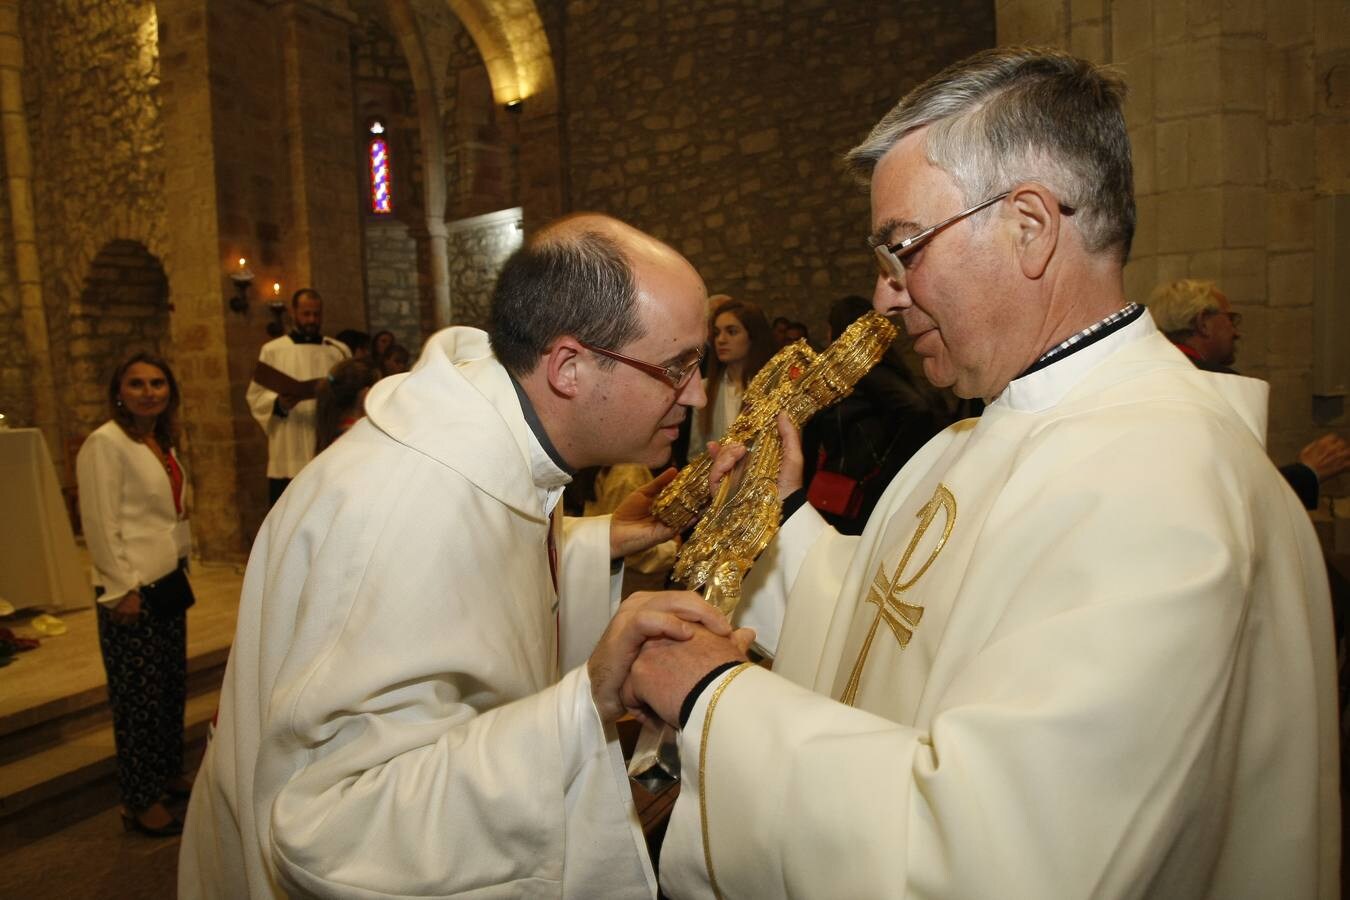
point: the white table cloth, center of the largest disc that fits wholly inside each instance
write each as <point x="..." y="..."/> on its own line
<point x="39" y="565"/>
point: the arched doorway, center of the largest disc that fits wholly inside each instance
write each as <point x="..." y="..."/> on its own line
<point x="123" y="307"/>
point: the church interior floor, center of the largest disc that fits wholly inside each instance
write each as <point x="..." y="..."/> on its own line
<point x="92" y="859"/>
<point x="60" y="834"/>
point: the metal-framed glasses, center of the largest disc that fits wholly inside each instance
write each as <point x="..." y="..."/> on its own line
<point x="676" y="374"/>
<point x="894" y="259"/>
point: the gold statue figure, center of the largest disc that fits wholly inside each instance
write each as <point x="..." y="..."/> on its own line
<point x="744" y="515"/>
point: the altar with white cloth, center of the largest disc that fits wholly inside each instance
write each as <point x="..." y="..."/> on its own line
<point x="39" y="565"/>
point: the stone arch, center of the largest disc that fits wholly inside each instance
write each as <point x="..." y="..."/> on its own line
<point x="511" y="38"/>
<point x="123" y="306"/>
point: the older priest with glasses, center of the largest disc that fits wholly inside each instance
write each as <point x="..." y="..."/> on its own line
<point x="1083" y="647"/>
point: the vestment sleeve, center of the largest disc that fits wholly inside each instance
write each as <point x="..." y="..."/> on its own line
<point x="589" y="588"/>
<point x="99" y="472"/>
<point x="260" y="399"/>
<point x="1060" y="756"/>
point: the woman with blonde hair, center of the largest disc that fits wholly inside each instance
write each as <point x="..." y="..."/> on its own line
<point x="742" y="343"/>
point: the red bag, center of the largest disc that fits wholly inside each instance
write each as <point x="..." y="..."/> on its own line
<point x="834" y="493"/>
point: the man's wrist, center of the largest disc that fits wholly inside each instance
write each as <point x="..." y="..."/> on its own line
<point x="687" y="707"/>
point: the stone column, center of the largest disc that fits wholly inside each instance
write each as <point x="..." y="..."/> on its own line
<point x="196" y="280"/>
<point x="19" y="182"/>
<point x="324" y="240"/>
<point x="1238" y="124"/>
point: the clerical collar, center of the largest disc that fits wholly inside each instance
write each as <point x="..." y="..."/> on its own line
<point x="1052" y="383"/>
<point x="300" y="337"/>
<point x="537" y="429"/>
<point x="1087" y="337"/>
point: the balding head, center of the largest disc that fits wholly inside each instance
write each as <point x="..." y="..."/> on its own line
<point x="576" y="277"/>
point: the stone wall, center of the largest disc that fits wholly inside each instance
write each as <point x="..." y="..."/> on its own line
<point x="392" y="280"/>
<point x="322" y="234"/>
<point x="124" y="308"/>
<point x="90" y="84"/>
<point x="1239" y="117"/>
<point x="479" y="247"/>
<point x="395" y="244"/>
<point x="481" y="168"/>
<point x="718" y="125"/>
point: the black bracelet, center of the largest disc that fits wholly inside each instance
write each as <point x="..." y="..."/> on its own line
<point x="687" y="707"/>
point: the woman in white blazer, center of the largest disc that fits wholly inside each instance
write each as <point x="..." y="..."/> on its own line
<point x="133" y="507"/>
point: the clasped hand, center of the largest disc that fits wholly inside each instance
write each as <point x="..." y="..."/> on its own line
<point x="656" y="648"/>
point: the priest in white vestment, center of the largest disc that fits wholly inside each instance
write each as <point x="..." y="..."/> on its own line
<point x="304" y="354"/>
<point x="409" y="708"/>
<point x="1083" y="647"/>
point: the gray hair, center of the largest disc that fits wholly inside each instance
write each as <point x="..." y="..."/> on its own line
<point x="1175" y="305"/>
<point x="1016" y="114"/>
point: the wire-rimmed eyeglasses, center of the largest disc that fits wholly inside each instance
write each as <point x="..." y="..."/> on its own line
<point x="894" y="258"/>
<point x="675" y="374"/>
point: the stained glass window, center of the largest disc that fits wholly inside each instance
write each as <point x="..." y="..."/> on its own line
<point x="381" y="200"/>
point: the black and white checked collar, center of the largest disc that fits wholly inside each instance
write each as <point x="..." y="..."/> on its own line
<point x="1087" y="337"/>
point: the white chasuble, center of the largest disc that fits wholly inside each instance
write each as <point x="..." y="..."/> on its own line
<point x="1085" y="644"/>
<point x="406" y="710"/>
<point x="290" y="438"/>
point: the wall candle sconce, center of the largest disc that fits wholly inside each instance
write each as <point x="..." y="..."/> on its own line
<point x="242" y="278"/>
<point x="277" y="307"/>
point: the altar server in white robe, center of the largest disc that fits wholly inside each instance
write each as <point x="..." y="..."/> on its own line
<point x="304" y="354"/>
<point x="408" y="708"/>
<point x="1083" y="647"/>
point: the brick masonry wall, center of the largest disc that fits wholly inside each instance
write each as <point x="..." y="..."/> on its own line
<point x="718" y="126"/>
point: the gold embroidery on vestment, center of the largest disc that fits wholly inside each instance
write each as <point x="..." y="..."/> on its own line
<point x="703" y="773"/>
<point x="902" y="618"/>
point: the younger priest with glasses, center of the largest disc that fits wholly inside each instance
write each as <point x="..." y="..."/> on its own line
<point x="421" y="695"/>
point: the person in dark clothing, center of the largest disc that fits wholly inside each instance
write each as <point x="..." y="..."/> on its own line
<point x="869" y="435"/>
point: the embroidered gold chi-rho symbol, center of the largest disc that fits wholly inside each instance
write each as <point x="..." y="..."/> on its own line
<point x="901" y="617"/>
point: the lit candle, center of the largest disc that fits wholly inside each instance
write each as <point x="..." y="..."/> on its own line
<point x="242" y="262"/>
<point x="276" y="289"/>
